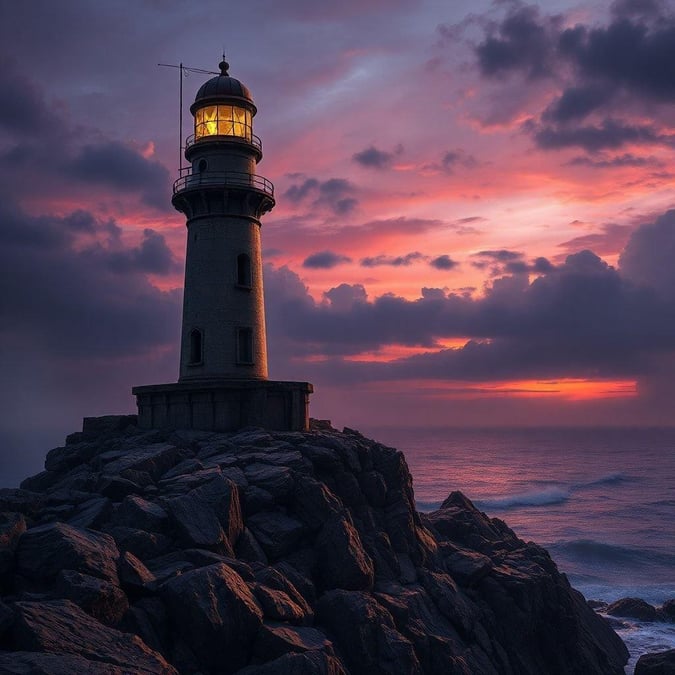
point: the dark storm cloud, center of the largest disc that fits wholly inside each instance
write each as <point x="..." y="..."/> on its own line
<point x="443" y="262"/>
<point x="607" y="77"/>
<point x="524" y="41"/>
<point x="572" y="320"/>
<point x="620" y="161"/>
<point x="22" y="107"/>
<point x="610" y="134"/>
<point x="116" y="165"/>
<point x="577" y="103"/>
<point x="501" y="255"/>
<point x="41" y="149"/>
<point x="373" y="158"/>
<point x="336" y="194"/>
<point x="87" y="298"/>
<point x="325" y="260"/>
<point x="649" y="255"/>
<point x="393" y="261"/>
<point x="629" y="52"/>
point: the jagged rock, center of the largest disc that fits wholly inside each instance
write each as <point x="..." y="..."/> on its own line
<point x="142" y="544"/>
<point x="249" y="549"/>
<point x="313" y="502"/>
<point x="217" y="616"/>
<point x="281" y="580"/>
<point x="309" y="663"/>
<point x="97" y="597"/>
<point x="454" y="591"/>
<point x="342" y="562"/>
<point x="667" y="610"/>
<point x="197" y="523"/>
<point x="12" y="526"/>
<point x="277" y="480"/>
<point x="459" y="521"/>
<point x="633" y="608"/>
<point x="134" y="575"/>
<point x="662" y="663"/>
<point x="154" y="459"/>
<point x="92" y="513"/>
<point x="117" y="488"/>
<point x="275" y="640"/>
<point x="148" y="619"/>
<point x="61" y="627"/>
<point x="467" y="566"/>
<point x="96" y="427"/>
<point x="277" y="605"/>
<point x="277" y="533"/>
<point x="374" y="488"/>
<point x="137" y="512"/>
<point x="6" y="618"/>
<point x="256" y="499"/>
<point x="44" y="551"/>
<point x="39" y="663"/>
<point x="365" y="634"/>
<point x="20" y="500"/>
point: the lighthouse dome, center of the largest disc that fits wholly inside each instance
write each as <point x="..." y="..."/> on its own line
<point x="222" y="88"/>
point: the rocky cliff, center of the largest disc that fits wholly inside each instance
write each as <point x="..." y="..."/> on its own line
<point x="271" y="553"/>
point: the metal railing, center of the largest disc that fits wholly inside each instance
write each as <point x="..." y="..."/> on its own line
<point x="224" y="179"/>
<point x="254" y="140"/>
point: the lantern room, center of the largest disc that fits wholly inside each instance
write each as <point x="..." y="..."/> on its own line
<point x="223" y="110"/>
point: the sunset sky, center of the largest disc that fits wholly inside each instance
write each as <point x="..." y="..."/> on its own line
<point x="473" y="221"/>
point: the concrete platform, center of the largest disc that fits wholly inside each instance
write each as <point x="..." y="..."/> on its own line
<point x="224" y="405"/>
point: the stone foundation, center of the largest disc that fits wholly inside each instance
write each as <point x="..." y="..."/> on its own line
<point x="224" y="405"/>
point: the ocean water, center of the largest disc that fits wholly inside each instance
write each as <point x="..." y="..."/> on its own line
<point x="601" y="501"/>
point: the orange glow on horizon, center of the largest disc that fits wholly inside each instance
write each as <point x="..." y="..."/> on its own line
<point x="568" y="389"/>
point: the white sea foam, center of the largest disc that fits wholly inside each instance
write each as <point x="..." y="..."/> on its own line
<point x="555" y="495"/>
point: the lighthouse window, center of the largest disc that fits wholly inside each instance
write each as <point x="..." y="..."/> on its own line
<point x="243" y="270"/>
<point x="223" y="120"/>
<point x="195" y="346"/>
<point x="245" y="345"/>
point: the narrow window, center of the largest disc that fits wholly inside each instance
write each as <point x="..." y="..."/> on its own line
<point x="244" y="345"/>
<point x="195" y="346"/>
<point x="243" y="270"/>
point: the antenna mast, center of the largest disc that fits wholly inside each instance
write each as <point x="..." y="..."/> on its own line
<point x="183" y="71"/>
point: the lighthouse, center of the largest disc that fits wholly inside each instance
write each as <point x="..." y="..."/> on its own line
<point x="223" y="376"/>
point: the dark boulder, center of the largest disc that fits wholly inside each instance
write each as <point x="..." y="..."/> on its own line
<point x="103" y="600"/>
<point x="216" y="614"/>
<point x="275" y="640"/>
<point x="633" y="608"/>
<point x="309" y="663"/>
<point x="44" y="551"/>
<point x="134" y="576"/>
<point x="277" y="533"/>
<point x="137" y="512"/>
<point x="365" y="634"/>
<point x="667" y="611"/>
<point x="342" y="561"/>
<point x="60" y="627"/>
<point x="662" y="663"/>
<point x="41" y="663"/>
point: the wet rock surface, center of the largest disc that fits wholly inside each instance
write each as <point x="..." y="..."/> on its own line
<point x="267" y="553"/>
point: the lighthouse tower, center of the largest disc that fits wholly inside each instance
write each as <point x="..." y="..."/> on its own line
<point x="223" y="380"/>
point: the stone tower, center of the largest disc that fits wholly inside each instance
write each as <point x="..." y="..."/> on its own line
<point x="223" y="381"/>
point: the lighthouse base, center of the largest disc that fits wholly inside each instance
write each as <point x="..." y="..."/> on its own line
<point x="224" y="405"/>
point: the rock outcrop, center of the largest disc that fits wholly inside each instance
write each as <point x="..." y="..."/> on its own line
<point x="271" y="553"/>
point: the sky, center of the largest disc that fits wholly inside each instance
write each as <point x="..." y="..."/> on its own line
<point x="475" y="219"/>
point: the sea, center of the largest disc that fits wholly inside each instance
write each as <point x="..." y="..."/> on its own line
<point x="600" y="500"/>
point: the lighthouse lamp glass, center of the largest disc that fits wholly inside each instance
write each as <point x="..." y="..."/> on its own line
<point x="223" y="120"/>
